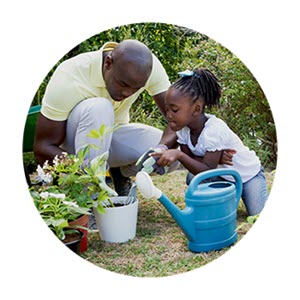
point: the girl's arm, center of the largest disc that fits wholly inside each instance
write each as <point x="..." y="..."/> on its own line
<point x="197" y="164"/>
<point x="225" y="158"/>
<point x="192" y="163"/>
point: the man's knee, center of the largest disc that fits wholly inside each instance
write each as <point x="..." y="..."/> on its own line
<point x="98" y="107"/>
<point x="86" y="115"/>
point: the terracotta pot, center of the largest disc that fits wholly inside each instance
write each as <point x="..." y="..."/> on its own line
<point x="82" y="221"/>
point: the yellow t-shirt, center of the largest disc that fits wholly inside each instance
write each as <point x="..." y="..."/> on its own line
<point x="81" y="78"/>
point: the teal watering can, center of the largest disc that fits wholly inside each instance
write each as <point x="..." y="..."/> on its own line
<point x="209" y="218"/>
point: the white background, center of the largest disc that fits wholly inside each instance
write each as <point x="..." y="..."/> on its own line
<point x="35" y="35"/>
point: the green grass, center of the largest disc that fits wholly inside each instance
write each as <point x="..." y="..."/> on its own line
<point x="160" y="247"/>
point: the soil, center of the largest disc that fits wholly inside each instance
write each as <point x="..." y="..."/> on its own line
<point x="71" y="237"/>
<point x="119" y="204"/>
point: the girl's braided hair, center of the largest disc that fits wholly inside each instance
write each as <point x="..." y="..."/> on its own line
<point x="200" y="83"/>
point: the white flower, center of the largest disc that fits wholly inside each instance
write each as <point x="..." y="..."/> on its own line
<point x="45" y="165"/>
<point x="57" y="196"/>
<point x="42" y="176"/>
<point x="44" y="195"/>
<point x="40" y="173"/>
<point x="47" y="178"/>
<point x="55" y="160"/>
<point x="70" y="203"/>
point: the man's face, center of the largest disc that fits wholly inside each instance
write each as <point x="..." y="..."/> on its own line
<point x="121" y="79"/>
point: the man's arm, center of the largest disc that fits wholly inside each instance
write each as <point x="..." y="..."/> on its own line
<point x="169" y="137"/>
<point x="49" y="136"/>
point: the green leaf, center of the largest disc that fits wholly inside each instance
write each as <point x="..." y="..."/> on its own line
<point x="71" y="231"/>
<point x="61" y="223"/>
<point x="102" y="130"/>
<point x="102" y="196"/>
<point x="100" y="209"/>
<point x="94" y="133"/>
<point x="109" y="190"/>
<point x="94" y="146"/>
<point x="59" y="232"/>
<point x="79" y="210"/>
<point x="85" y="151"/>
<point x="252" y="219"/>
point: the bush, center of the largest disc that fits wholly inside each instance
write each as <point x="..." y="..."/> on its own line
<point x="244" y="105"/>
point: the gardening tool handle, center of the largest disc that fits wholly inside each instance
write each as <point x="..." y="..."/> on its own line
<point x="218" y="172"/>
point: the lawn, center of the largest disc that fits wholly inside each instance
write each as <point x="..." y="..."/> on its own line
<point x="160" y="247"/>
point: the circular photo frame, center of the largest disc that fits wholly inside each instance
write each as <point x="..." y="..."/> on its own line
<point x="169" y="76"/>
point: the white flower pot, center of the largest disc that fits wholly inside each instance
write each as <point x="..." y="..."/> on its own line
<point x="118" y="224"/>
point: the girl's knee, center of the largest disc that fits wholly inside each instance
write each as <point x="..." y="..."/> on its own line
<point x="254" y="198"/>
<point x="254" y="209"/>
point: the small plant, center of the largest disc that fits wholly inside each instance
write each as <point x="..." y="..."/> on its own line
<point x="72" y="185"/>
<point x="250" y="220"/>
<point x="57" y="211"/>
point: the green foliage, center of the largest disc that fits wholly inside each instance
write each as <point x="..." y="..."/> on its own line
<point x="70" y="186"/>
<point x="244" y="106"/>
<point x="57" y="210"/>
<point x="29" y="162"/>
<point x="249" y="220"/>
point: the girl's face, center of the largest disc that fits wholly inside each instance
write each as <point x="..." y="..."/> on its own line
<point x="180" y="111"/>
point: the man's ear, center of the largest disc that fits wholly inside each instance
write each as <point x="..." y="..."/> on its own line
<point x="108" y="62"/>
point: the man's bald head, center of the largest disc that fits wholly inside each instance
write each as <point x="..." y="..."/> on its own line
<point x="127" y="69"/>
<point x="134" y="54"/>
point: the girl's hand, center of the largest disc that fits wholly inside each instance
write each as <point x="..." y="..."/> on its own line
<point x="226" y="157"/>
<point x="167" y="158"/>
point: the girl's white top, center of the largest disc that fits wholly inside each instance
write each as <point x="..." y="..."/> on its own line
<point x="216" y="135"/>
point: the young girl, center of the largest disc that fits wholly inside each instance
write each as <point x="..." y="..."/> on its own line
<point x="202" y="137"/>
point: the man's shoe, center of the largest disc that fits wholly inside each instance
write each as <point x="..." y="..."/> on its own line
<point x="122" y="184"/>
<point x="92" y="225"/>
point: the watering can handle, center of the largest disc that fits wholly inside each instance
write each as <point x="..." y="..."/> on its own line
<point x="217" y="172"/>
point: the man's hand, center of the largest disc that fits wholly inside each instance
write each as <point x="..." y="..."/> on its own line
<point x="227" y="156"/>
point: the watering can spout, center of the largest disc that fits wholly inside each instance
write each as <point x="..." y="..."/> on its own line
<point x="182" y="217"/>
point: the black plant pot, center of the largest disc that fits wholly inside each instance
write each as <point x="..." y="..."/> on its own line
<point x="74" y="242"/>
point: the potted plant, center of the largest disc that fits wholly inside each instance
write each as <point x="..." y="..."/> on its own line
<point x="58" y="211"/>
<point x="83" y="182"/>
<point x="75" y="183"/>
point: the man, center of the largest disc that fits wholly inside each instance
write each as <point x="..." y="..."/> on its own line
<point x="96" y="88"/>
